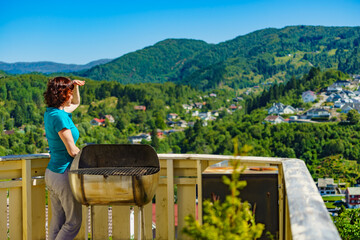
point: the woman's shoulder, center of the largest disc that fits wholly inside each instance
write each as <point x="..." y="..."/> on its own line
<point x="56" y="113"/>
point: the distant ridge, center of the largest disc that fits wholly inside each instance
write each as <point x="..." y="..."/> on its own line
<point x="261" y="57"/>
<point x="47" y="67"/>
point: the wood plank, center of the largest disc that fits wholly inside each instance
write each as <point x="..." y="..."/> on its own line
<point x="170" y="197"/>
<point x="200" y="165"/>
<point x="120" y="222"/>
<point x="83" y="233"/>
<point x="40" y="162"/>
<point x="281" y="202"/>
<point x="9" y="174"/>
<point x="49" y="208"/>
<point x="161" y="213"/>
<point x="179" y="181"/>
<point x="38" y="215"/>
<point x="186" y="205"/>
<point x="185" y="172"/>
<point x="15" y="211"/>
<point x="10" y="165"/>
<point x="3" y="212"/>
<point x="10" y="184"/>
<point x="99" y="220"/>
<point x="38" y="172"/>
<point x="26" y="200"/>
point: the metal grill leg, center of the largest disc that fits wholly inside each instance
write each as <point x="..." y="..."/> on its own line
<point x="141" y="224"/>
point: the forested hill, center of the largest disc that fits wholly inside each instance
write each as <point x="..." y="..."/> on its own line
<point x="47" y="67"/>
<point x="159" y="63"/>
<point x="262" y="56"/>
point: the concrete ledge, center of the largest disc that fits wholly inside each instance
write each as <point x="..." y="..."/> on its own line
<point x="309" y="217"/>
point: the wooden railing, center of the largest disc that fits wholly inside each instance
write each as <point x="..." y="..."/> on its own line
<point x="23" y="208"/>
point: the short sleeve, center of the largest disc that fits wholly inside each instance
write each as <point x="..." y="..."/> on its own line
<point x="61" y="122"/>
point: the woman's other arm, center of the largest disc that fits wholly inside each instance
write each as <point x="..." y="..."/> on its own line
<point x="68" y="140"/>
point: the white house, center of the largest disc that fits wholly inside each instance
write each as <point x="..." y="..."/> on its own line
<point x="326" y="186"/>
<point x="279" y="108"/>
<point x="289" y="110"/>
<point x="334" y="88"/>
<point x="187" y="106"/>
<point x="205" y="115"/>
<point x="139" y="138"/>
<point x="342" y="83"/>
<point x="195" y="113"/>
<point x="172" y="116"/>
<point x="317" y="113"/>
<point x="308" y="96"/>
<point x="274" y="119"/>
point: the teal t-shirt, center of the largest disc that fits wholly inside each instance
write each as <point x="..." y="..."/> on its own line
<point x="56" y="120"/>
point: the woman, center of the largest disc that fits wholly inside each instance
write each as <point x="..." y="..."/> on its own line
<point x="62" y="98"/>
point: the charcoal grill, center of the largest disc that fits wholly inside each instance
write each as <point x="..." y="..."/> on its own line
<point x="115" y="174"/>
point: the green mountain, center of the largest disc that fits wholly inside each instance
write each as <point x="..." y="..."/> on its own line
<point x="159" y="63"/>
<point x="47" y="67"/>
<point x="268" y="55"/>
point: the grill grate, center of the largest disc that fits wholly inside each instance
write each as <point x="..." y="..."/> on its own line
<point x="118" y="171"/>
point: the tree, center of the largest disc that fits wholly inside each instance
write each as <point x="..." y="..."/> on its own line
<point x="231" y="219"/>
<point x="154" y="139"/>
<point x="348" y="224"/>
<point x="353" y="116"/>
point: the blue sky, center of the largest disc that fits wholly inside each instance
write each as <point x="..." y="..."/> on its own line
<point x="80" y="31"/>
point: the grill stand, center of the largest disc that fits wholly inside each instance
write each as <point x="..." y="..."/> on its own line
<point x="141" y="224"/>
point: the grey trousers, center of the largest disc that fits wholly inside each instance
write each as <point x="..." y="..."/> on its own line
<point x="66" y="211"/>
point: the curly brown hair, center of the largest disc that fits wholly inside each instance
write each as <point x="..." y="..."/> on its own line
<point x="58" y="91"/>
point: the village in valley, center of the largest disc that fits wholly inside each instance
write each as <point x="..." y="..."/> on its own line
<point x="328" y="105"/>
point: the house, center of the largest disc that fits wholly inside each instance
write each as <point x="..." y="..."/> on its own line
<point x="172" y="116"/>
<point x="334" y="88"/>
<point x="199" y="105"/>
<point x="195" y="113"/>
<point x="205" y="115"/>
<point x="182" y="124"/>
<point x="140" y="108"/>
<point x="110" y="118"/>
<point x="279" y="108"/>
<point x="139" y="138"/>
<point x="352" y="196"/>
<point x="348" y="106"/>
<point x="342" y="83"/>
<point x="233" y="107"/>
<point x="215" y="113"/>
<point x="237" y="99"/>
<point x="187" y="107"/>
<point x="212" y="95"/>
<point x="308" y="96"/>
<point x="333" y="97"/>
<point x="317" y="113"/>
<point x="274" y="119"/>
<point x="9" y="132"/>
<point x="276" y="108"/>
<point x="288" y="110"/>
<point x="326" y="186"/>
<point x="97" y="122"/>
<point x="171" y="123"/>
<point x="341" y="102"/>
